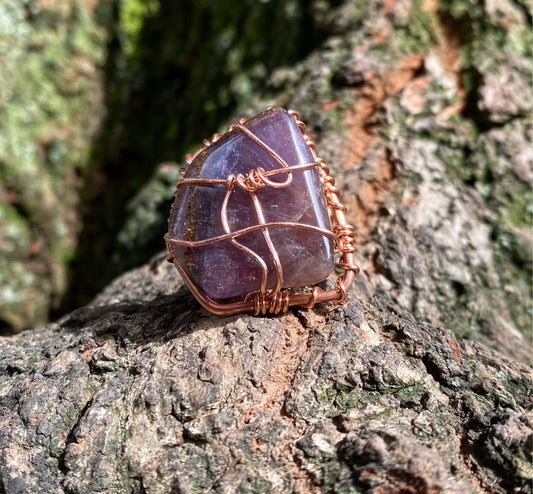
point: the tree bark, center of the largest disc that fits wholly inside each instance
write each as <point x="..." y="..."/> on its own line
<point x="418" y="383"/>
<point x="142" y="391"/>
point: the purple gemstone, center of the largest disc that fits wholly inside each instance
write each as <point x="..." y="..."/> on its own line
<point x="223" y="271"/>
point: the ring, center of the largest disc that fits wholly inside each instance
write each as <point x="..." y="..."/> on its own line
<point x="256" y="216"/>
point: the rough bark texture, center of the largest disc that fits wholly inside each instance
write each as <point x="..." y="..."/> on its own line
<point x="141" y="391"/>
<point x="398" y="390"/>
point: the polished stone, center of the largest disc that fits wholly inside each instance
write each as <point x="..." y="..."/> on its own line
<point x="221" y="270"/>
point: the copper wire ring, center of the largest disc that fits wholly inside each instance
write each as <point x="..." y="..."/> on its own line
<point x="276" y="300"/>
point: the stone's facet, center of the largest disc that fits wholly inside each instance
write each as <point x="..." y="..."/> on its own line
<point x="223" y="271"/>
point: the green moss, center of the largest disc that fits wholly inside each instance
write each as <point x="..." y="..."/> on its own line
<point x="419" y="32"/>
<point x="463" y="8"/>
<point x="336" y="478"/>
<point x="484" y="33"/>
<point x="521" y="464"/>
<point x="346" y="400"/>
<point x="133" y="15"/>
<point x="148" y="214"/>
<point x="355" y="398"/>
<point x="324" y="395"/>
<point x="16" y="231"/>
<point x="411" y="394"/>
<point x="518" y="41"/>
<point x="257" y="484"/>
<point x="520" y="212"/>
<point x="49" y="101"/>
<point x="18" y="285"/>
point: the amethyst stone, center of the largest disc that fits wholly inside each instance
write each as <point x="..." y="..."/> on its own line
<point x="223" y="271"/>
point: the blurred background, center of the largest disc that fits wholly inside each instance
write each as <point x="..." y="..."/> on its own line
<point x="101" y="99"/>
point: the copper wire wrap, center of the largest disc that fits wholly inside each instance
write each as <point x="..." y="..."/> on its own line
<point x="276" y="300"/>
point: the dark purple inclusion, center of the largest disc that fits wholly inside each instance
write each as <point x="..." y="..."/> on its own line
<point x="221" y="270"/>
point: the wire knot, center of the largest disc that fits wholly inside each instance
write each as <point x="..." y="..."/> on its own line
<point x="265" y="303"/>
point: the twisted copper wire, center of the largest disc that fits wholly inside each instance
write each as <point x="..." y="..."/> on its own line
<point x="228" y="182"/>
<point x="345" y="232"/>
<point x="313" y="299"/>
<point x="270" y="244"/>
<point x="258" y="179"/>
<point x="255" y="180"/>
<point x="249" y="229"/>
<point x="271" y="304"/>
<point x="225" y="225"/>
<point x="277" y="300"/>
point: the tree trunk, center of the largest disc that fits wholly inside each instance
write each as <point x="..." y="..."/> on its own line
<point x="418" y="383"/>
<point x="142" y="391"/>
